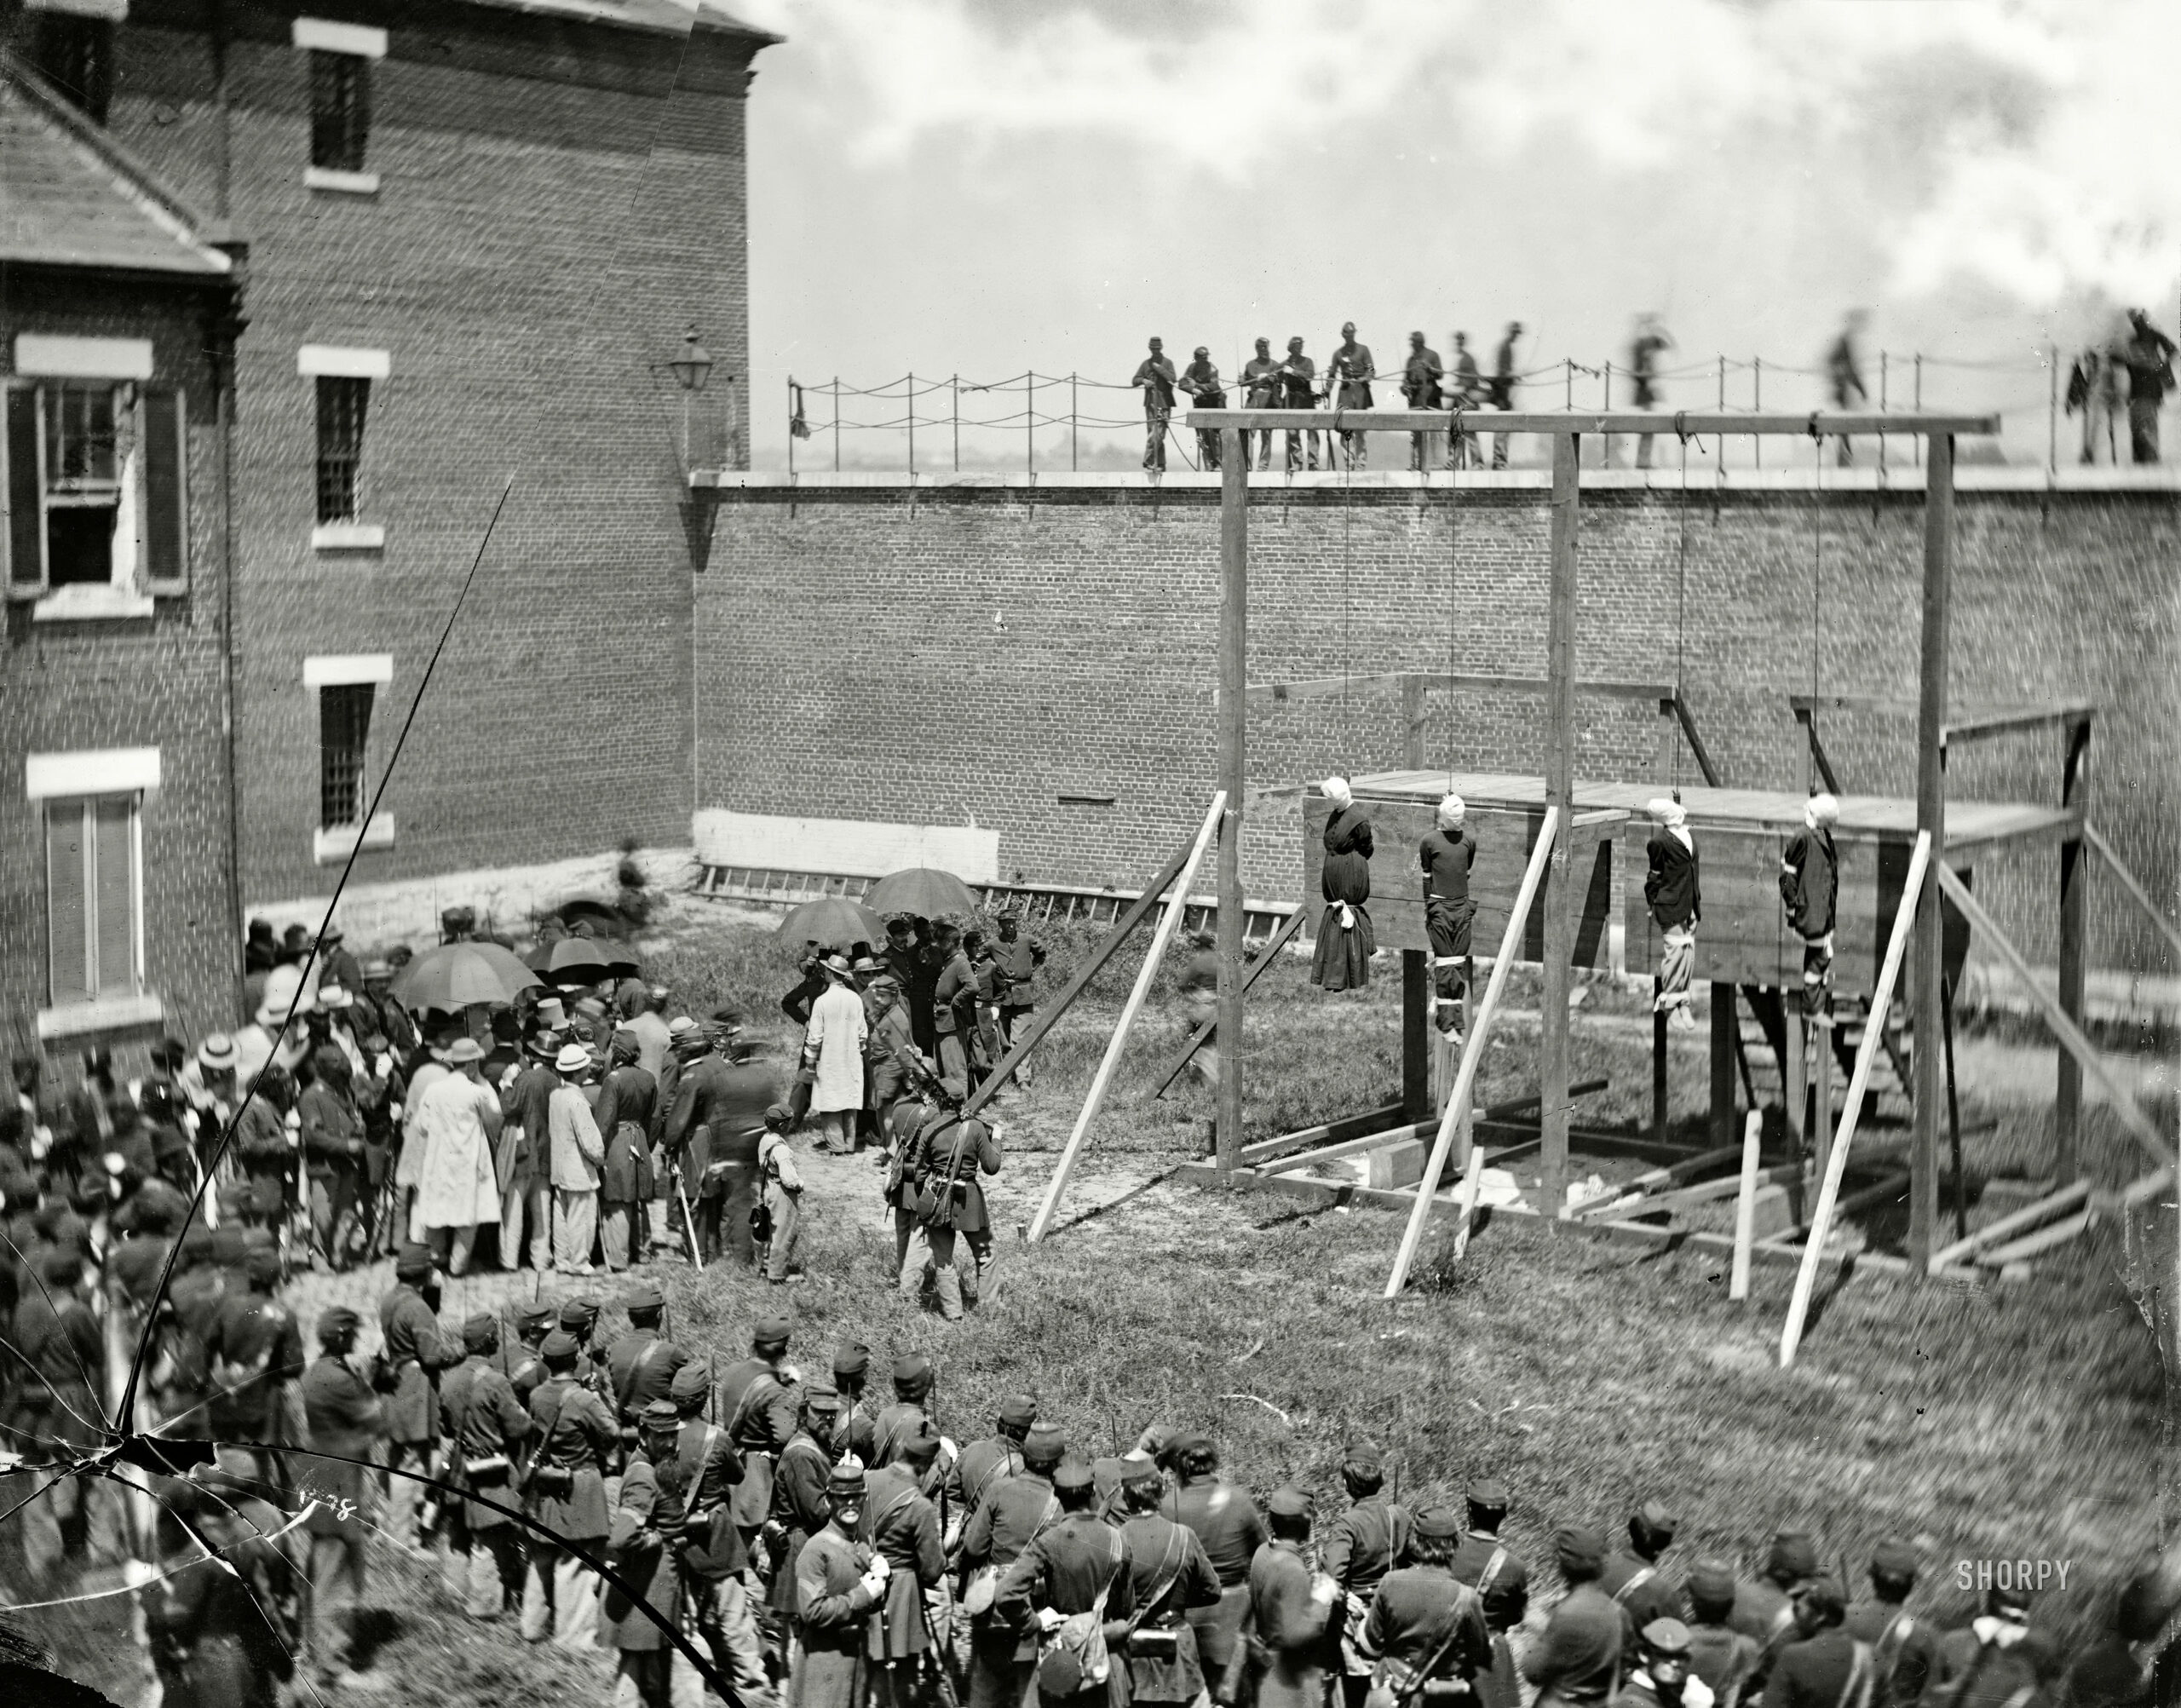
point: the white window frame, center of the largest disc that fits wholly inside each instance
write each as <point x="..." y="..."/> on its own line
<point x="125" y="594"/>
<point x="331" y="844"/>
<point x="104" y="1011"/>
<point x="113" y="11"/>
<point x="329" y="38"/>
<point x="341" y="361"/>
<point x="90" y="774"/>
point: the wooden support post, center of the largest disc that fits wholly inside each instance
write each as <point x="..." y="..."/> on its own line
<point x="2072" y="1042"/>
<point x="1233" y="779"/>
<point x="1821" y="1059"/>
<point x="1953" y="1117"/>
<point x="1560" y="898"/>
<point x="1753" y="1134"/>
<point x="1169" y="922"/>
<point x="1724" y="1025"/>
<point x="1416" y="986"/>
<point x="1658" y="1074"/>
<point x="1914" y="891"/>
<point x="2067" y="1102"/>
<point x="1929" y="966"/>
<point x="1480" y="1031"/>
<point x="1798" y="1066"/>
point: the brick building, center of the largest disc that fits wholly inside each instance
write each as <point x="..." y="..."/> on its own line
<point x="481" y="230"/>
<point x="119" y="315"/>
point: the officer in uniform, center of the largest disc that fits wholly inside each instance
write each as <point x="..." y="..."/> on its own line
<point x="1360" y="1546"/>
<point x="644" y="1544"/>
<point x="1722" y="1658"/>
<point x="901" y="1524"/>
<point x="564" y="1492"/>
<point x="1821" y="1666"/>
<point x="1075" y="1564"/>
<point x="1632" y="1579"/>
<point x="519" y="1360"/>
<point x="1018" y="960"/>
<point x="342" y="1417"/>
<point x="1424" y="1623"/>
<point x="952" y="1150"/>
<point x="1662" y="1678"/>
<point x="838" y="1583"/>
<point x="1904" y="1650"/>
<point x="1294" y="1612"/>
<point x="1226" y="1521"/>
<point x="894" y="1425"/>
<point x="759" y="1405"/>
<point x="725" y="1100"/>
<point x="1014" y="1512"/>
<point x="641" y="1364"/>
<point x="853" y="1426"/>
<point x="1169" y="1574"/>
<point x="1578" y="1657"/>
<point x="416" y="1351"/>
<point x="486" y="1425"/>
<point x="699" y="1472"/>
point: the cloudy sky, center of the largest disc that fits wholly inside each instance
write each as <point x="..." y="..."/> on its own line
<point x="980" y="187"/>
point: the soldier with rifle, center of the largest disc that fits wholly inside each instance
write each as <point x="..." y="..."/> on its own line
<point x="951" y="1151"/>
<point x="1425" y="1633"/>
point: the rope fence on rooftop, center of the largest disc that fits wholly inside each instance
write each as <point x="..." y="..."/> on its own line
<point x="934" y="413"/>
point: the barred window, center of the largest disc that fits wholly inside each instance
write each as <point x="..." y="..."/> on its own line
<point x="344" y="726"/>
<point x="75" y="55"/>
<point x="340" y="110"/>
<point x="340" y="405"/>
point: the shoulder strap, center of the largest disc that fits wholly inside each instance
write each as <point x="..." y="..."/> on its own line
<point x="545" y="1435"/>
<point x="1886" y="1653"/>
<point x="1492" y="1567"/>
<point x="1856" y="1691"/>
<point x="1636" y="1579"/>
<point x="1047" y="1517"/>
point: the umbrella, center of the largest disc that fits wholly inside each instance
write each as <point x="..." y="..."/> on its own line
<point x="922" y="891"/>
<point x="834" y="921"/>
<point x="455" y="974"/>
<point x="585" y="961"/>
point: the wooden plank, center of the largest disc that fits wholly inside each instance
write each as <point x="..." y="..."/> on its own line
<point x="1321" y="688"/>
<point x="2030" y="1216"/>
<point x="1265" y="1150"/>
<point x="1836" y="1161"/>
<point x="2136" y="892"/>
<point x="1472" y="1057"/>
<point x="1449" y="682"/>
<point x="1168" y="921"/>
<point x="1711" y="1191"/>
<point x="2044" y="1239"/>
<point x="1636" y="1191"/>
<point x="2071" y="1038"/>
<point x="1562" y="616"/>
<point x="1233" y="784"/>
<point x="1709" y="772"/>
<point x="1560" y="422"/>
<point x="1753" y="1133"/>
<point x="1890" y="1187"/>
<point x="1349" y="1148"/>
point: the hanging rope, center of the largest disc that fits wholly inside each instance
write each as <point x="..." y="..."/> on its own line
<point x="1346" y="757"/>
<point x="1681" y="594"/>
<point x="1453" y="593"/>
<point x="1816" y="572"/>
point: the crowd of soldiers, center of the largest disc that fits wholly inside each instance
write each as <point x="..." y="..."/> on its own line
<point x="764" y="1534"/>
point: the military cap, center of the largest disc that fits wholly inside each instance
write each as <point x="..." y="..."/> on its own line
<point x="1075" y="1476"/>
<point x="62" y="1267"/>
<point x="1438" y="1524"/>
<point x="646" y="1297"/>
<point x="413" y="1263"/>
<point x="660" y="1414"/>
<point x="852" y="1360"/>
<point x="1824" y="1597"/>
<point x="533" y="1316"/>
<point x="262" y="1263"/>
<point x="1894" y="1558"/>
<point x="1659" y="1519"/>
<point x="912" y="1371"/>
<point x="335" y="1321"/>
<point x="1288" y="1502"/>
<point x="1577" y="1548"/>
<point x="1488" y="1493"/>
<point x="1711" y="1581"/>
<point x="846" y="1482"/>
<point x="1018" y="1411"/>
<point x="480" y="1332"/>
<point x="822" y="1397"/>
<point x="1191" y="1445"/>
<point x="1794" y="1554"/>
<point x="1363" y="1456"/>
<point x="578" y="1314"/>
<point x="559" y="1347"/>
<point x="1046" y="1444"/>
<point x="921" y="1447"/>
<point x="690" y="1383"/>
<point x="779" y="1115"/>
<point x="1666" y="1636"/>
<point x="771" y="1332"/>
<point x="1141" y="1468"/>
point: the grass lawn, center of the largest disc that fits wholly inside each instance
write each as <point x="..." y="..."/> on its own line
<point x="1588" y="1375"/>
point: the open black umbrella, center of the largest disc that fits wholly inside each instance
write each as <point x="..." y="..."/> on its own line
<point x="922" y="890"/>
<point x="833" y="921"/>
<point x="587" y="961"/>
<point x="455" y="974"/>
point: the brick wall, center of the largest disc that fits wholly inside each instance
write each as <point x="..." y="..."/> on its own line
<point x="950" y="652"/>
<point x="558" y="201"/>
<point x="155" y="682"/>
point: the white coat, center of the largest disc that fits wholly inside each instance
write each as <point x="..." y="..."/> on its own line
<point x="835" y="1033"/>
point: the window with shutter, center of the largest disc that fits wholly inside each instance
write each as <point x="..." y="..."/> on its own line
<point x="165" y="440"/>
<point x="93" y="898"/>
<point x="23" y="450"/>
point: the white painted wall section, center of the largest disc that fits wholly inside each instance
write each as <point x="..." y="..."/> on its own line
<point x="850" y="847"/>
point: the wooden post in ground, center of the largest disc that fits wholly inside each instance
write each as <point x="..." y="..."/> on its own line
<point x="1176" y="905"/>
<point x="1752" y="1136"/>
<point x="1797" y="1065"/>
<point x="2067" y="1102"/>
<point x="1560" y="826"/>
<point x="1416" y="1026"/>
<point x="1914" y="890"/>
<point x="1953" y="1117"/>
<point x="1658" y="1070"/>
<point x="1480" y="1031"/>
<point x="1724" y="1022"/>
<point x="1930" y="823"/>
<point x="1234" y="781"/>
